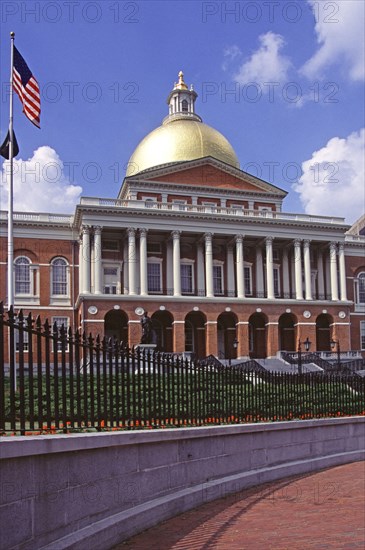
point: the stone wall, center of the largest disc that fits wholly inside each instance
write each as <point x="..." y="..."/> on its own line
<point x="92" y="490"/>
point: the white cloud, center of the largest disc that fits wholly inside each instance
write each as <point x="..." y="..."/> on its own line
<point x="332" y="182"/>
<point x="40" y="184"/>
<point x="340" y="34"/>
<point x="230" y="53"/>
<point x="266" y="64"/>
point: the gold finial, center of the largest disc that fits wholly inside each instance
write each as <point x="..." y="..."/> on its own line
<point x="12" y="34"/>
<point x="181" y="84"/>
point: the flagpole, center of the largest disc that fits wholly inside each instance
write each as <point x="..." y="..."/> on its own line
<point x="10" y="198"/>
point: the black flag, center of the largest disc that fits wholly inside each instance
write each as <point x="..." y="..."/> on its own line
<point x="5" y="148"/>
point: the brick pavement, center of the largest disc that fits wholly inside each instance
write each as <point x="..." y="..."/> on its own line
<point x="311" y="511"/>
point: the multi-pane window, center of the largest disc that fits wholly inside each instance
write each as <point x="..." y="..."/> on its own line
<point x="361" y="288"/>
<point x="362" y="335"/>
<point x="184" y="106"/>
<point x="187" y="286"/>
<point x="22" y="275"/>
<point x="154" y="276"/>
<point x="248" y="287"/>
<point x="61" y="321"/>
<point x="218" y="279"/>
<point x="25" y="341"/>
<point x="276" y="282"/>
<point x="110" y="280"/>
<point x="59" y="277"/>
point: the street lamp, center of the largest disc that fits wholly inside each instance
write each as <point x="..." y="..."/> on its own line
<point x="333" y="344"/>
<point x="307" y="345"/>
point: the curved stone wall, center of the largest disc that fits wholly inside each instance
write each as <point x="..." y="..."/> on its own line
<point x="88" y="490"/>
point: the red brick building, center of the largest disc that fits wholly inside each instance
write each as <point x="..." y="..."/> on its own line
<point x="204" y="247"/>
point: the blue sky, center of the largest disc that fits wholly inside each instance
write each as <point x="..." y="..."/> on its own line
<point x="282" y="80"/>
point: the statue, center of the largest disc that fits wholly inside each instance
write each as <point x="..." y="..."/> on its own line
<point x="147" y="330"/>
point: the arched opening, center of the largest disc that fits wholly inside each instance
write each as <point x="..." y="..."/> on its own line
<point x="257" y="335"/>
<point x="195" y="333"/>
<point x="116" y="325"/>
<point x="184" y="106"/>
<point x="162" y="326"/>
<point x="323" y="332"/>
<point x="287" y="338"/>
<point x="226" y="335"/>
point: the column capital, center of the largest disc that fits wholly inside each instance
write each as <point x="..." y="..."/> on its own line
<point x="175" y="234"/>
<point x="333" y="246"/>
<point x="269" y="239"/>
<point x="239" y="238"/>
<point x="143" y="232"/>
<point x="131" y="231"/>
<point x="341" y="246"/>
<point x="297" y="242"/>
<point x="306" y="242"/>
<point x="208" y="237"/>
<point x="97" y="229"/>
<point x="85" y="229"/>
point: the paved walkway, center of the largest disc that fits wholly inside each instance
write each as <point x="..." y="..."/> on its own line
<point x="312" y="511"/>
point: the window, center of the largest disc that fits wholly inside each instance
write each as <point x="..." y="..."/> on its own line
<point x="248" y="278"/>
<point x="276" y="281"/>
<point x="362" y="335"/>
<point x="61" y="321"/>
<point x="150" y="202"/>
<point x="22" y="275"/>
<point x="361" y="289"/>
<point x="218" y="280"/>
<point x="25" y="341"/>
<point x="154" y="276"/>
<point x="59" y="277"/>
<point x="111" y="245"/>
<point x="209" y="206"/>
<point x="187" y="283"/>
<point x="184" y="106"/>
<point x="111" y="278"/>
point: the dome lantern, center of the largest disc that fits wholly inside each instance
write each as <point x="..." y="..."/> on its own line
<point x="181" y="101"/>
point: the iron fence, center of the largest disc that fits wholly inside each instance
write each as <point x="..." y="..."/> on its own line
<point x="59" y="380"/>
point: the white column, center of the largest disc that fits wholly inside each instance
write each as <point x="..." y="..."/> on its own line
<point x="143" y="261"/>
<point x="341" y="258"/>
<point x="169" y="272"/>
<point x="81" y="279"/>
<point x="230" y="270"/>
<point x="328" y="276"/>
<point x="97" y="260"/>
<point x="240" y="277"/>
<point x="132" y="260"/>
<point x="259" y="273"/>
<point x="86" y="258"/>
<point x="307" y="270"/>
<point x="209" y="265"/>
<point x="125" y="270"/>
<point x="333" y="272"/>
<point x="269" y="269"/>
<point x="200" y="267"/>
<point x="286" y="286"/>
<point x="321" y="293"/>
<point x="298" y="270"/>
<point x="176" y="262"/>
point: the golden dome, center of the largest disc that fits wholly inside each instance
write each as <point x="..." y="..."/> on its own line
<point x="179" y="140"/>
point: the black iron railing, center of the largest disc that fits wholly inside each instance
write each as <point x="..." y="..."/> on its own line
<point x="53" y="379"/>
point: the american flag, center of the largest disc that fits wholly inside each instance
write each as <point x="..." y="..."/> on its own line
<point x="27" y="89"/>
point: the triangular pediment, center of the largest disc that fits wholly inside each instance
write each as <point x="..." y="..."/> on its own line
<point x="209" y="173"/>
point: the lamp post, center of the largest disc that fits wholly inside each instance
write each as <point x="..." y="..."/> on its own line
<point x="333" y="344"/>
<point x="307" y="345"/>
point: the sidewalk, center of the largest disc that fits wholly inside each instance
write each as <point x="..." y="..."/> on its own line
<point x="312" y="511"/>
